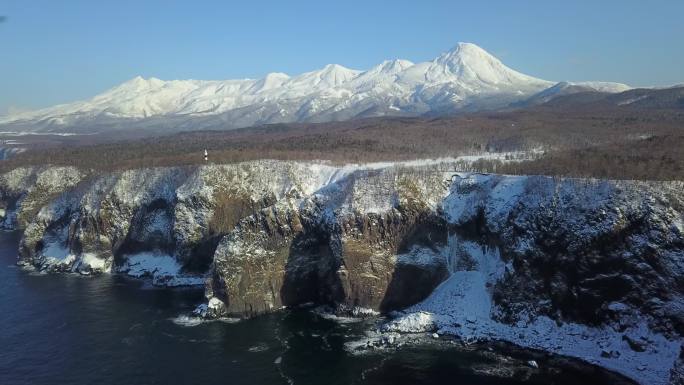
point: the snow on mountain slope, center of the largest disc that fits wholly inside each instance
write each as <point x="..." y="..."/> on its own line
<point x="568" y="88"/>
<point x="464" y="78"/>
<point x="609" y="87"/>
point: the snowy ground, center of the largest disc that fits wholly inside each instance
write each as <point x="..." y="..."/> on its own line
<point x="462" y="306"/>
<point x="164" y="270"/>
<point x="56" y="257"/>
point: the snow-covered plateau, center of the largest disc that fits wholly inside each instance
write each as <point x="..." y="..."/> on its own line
<point x="582" y="268"/>
<point x="466" y="78"/>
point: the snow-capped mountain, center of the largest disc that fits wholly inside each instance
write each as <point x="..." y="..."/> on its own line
<point x="465" y="78"/>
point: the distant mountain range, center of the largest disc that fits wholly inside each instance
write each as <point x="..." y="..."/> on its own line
<point x="464" y="79"/>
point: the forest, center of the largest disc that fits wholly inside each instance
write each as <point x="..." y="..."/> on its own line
<point x="568" y="141"/>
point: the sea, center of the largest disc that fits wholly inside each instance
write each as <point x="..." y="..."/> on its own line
<point x="109" y="329"/>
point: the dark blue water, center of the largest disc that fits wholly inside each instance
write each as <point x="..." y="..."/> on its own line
<point x="68" y="329"/>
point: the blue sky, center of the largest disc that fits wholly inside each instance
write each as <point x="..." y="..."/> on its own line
<point x="60" y="51"/>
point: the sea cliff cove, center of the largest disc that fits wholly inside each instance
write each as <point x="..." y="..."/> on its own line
<point x="502" y="279"/>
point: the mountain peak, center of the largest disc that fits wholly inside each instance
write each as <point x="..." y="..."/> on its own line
<point x="335" y="74"/>
<point x="395" y="65"/>
<point x="473" y="67"/>
<point x="337" y="69"/>
<point x="465" y="46"/>
<point x="140" y="82"/>
<point x="270" y="81"/>
<point x="468" y="54"/>
<point x="276" y="75"/>
<point x="333" y="67"/>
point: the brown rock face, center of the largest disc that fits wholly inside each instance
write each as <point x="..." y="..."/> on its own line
<point x="283" y="256"/>
<point x="368" y="272"/>
<point x="228" y="208"/>
<point x="254" y="282"/>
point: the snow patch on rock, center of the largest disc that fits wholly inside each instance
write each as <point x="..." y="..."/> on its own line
<point x="164" y="270"/>
<point x="56" y="254"/>
<point x="412" y="322"/>
<point x="422" y="256"/>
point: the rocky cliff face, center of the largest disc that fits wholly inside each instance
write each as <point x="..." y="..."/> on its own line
<point x="589" y="251"/>
<point x="309" y="232"/>
<point x="337" y="246"/>
<point x="579" y="267"/>
<point x="24" y="191"/>
<point x="585" y="268"/>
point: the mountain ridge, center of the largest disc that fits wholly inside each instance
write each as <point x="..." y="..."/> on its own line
<point x="465" y="78"/>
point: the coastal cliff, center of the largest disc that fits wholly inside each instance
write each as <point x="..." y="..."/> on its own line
<point x="585" y="268"/>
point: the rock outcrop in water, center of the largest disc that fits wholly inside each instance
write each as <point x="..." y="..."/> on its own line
<point x="483" y="256"/>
